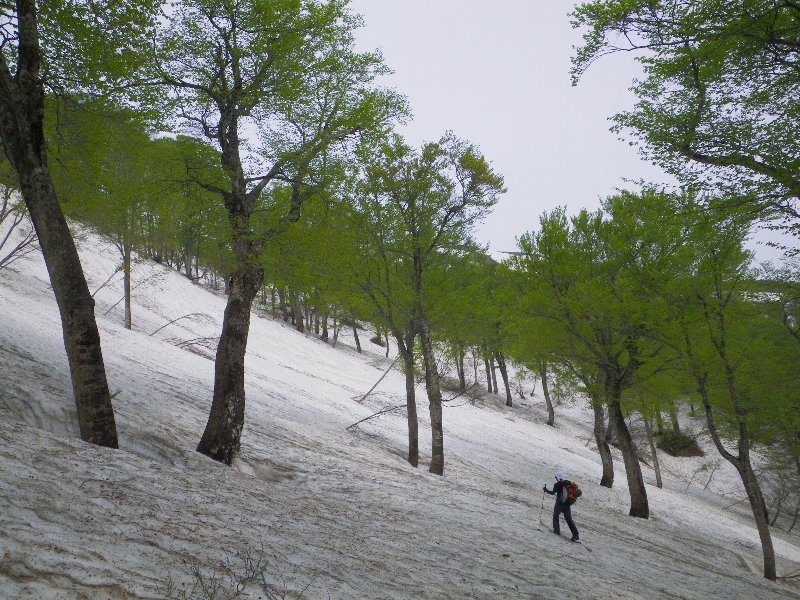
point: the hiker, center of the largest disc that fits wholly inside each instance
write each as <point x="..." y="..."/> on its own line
<point x="562" y="506"/>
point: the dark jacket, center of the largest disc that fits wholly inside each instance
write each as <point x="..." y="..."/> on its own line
<point x="557" y="488"/>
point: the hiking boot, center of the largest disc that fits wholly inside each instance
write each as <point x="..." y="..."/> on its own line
<point x="574" y="538"/>
<point x="556" y="532"/>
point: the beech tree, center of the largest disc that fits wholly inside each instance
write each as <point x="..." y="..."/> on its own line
<point x="720" y="92"/>
<point x="64" y="46"/>
<point x="286" y="70"/>
<point x="427" y="201"/>
<point x="587" y="280"/>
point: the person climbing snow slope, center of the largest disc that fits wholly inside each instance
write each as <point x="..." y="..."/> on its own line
<point x="563" y="505"/>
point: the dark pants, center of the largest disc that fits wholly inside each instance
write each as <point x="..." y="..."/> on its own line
<point x="566" y="510"/>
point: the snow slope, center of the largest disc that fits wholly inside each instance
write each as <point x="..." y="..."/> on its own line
<point x="335" y="513"/>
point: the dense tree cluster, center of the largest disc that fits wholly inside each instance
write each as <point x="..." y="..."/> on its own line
<point x="248" y="144"/>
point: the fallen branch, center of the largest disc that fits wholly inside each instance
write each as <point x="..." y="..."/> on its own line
<point x="360" y="400"/>
<point x="377" y="414"/>
<point x="175" y="321"/>
<point x="117" y="270"/>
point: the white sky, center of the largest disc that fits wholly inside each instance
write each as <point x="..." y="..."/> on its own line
<point x="497" y="74"/>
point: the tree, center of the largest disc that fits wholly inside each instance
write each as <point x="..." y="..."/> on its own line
<point x="428" y="201"/>
<point x="288" y="69"/>
<point x="586" y="279"/>
<point x="65" y="45"/>
<point x="719" y="96"/>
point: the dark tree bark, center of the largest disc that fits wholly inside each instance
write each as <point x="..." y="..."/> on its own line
<point x="744" y="467"/>
<point x="607" y="480"/>
<point x="126" y="279"/>
<point x="22" y="131"/>
<point x="501" y="363"/>
<point x="434" y="390"/>
<point x="462" y="377"/>
<point x="493" y="371"/>
<point x="633" y="471"/>
<point x="551" y="414"/>
<point x="221" y="439"/>
<point x="405" y="346"/>
<point x="673" y="415"/>
<point x="488" y="374"/>
<point x="358" y="341"/>
<point x="653" y="452"/>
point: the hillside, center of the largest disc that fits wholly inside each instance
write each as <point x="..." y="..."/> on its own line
<point x="334" y="513"/>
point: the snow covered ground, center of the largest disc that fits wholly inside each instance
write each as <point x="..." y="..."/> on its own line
<point x="334" y="513"/>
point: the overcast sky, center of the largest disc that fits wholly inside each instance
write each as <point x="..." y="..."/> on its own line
<point x="496" y="73"/>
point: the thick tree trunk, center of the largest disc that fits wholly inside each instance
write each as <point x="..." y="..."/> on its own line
<point x="222" y="437"/>
<point x="22" y="132"/>
<point x="633" y="471"/>
<point x="434" y="398"/>
<point x="653" y="452"/>
<point x="607" y="480"/>
<point x="126" y="279"/>
<point x="551" y="414"/>
<point x="501" y="363"/>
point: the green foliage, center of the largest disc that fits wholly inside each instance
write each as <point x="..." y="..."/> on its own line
<point x="718" y="103"/>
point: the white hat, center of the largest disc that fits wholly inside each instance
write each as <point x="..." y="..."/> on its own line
<point x="559" y="475"/>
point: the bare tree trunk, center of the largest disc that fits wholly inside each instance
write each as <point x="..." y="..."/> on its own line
<point x="501" y="363"/>
<point x="633" y="471"/>
<point x="607" y="480"/>
<point x="126" y="282"/>
<point x="22" y="132"/>
<point x="222" y="437"/>
<point x="324" y="319"/>
<point x="494" y="374"/>
<point x="282" y="304"/>
<point x="406" y="349"/>
<point x="656" y="466"/>
<point x="434" y="398"/>
<point x="488" y="374"/>
<point x="551" y="414"/>
<point x="462" y="376"/>
<point x="673" y="415"/>
<point x="745" y="469"/>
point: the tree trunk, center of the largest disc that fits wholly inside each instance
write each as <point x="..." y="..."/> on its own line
<point x="659" y="423"/>
<point x="282" y="305"/>
<point x="406" y="349"/>
<point x="126" y="281"/>
<point x="324" y="319"/>
<point x="501" y="363"/>
<point x="607" y="480"/>
<point x="745" y="469"/>
<point x="551" y="414"/>
<point x="462" y="376"/>
<point x="656" y="466"/>
<point x="434" y="398"/>
<point x="336" y="328"/>
<point x="222" y="437"/>
<point x="633" y="471"/>
<point x="494" y="374"/>
<point x="358" y="341"/>
<point x="488" y="374"/>
<point x="673" y="415"/>
<point x="22" y="131"/>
